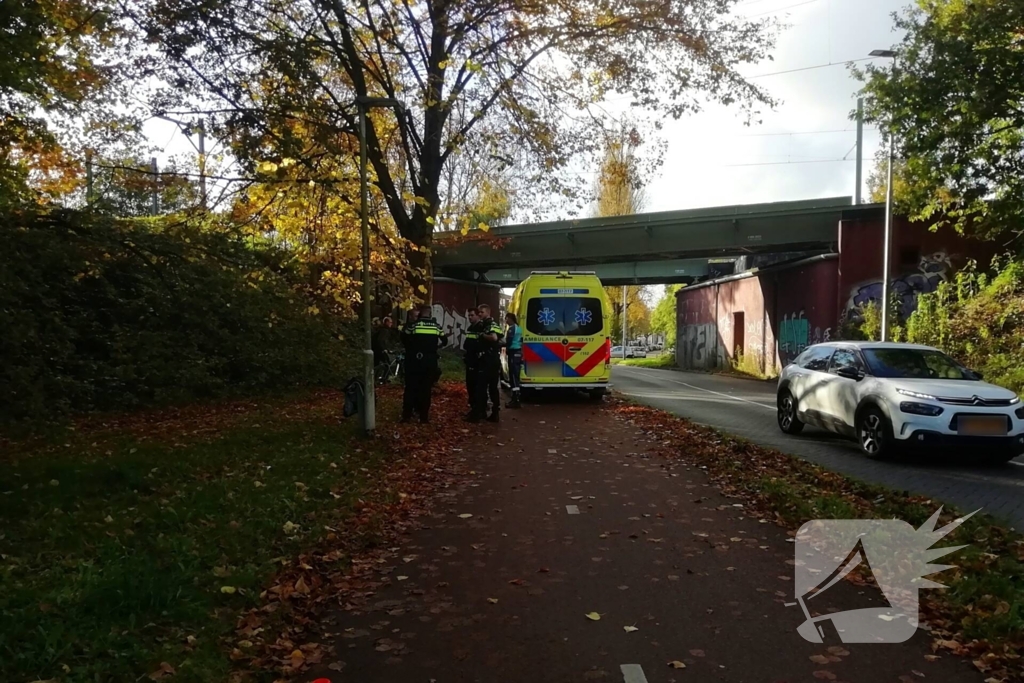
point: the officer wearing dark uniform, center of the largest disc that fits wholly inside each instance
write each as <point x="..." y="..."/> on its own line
<point x="488" y="375"/>
<point x="421" y="340"/>
<point x="471" y="354"/>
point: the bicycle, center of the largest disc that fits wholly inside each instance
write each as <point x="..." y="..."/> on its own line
<point x="391" y="369"/>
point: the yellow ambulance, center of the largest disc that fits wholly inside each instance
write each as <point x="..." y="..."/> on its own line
<point x="566" y="323"/>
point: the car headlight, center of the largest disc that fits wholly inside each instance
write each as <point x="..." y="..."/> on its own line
<point x="920" y="409"/>
<point x="915" y="394"/>
<point x="1015" y="400"/>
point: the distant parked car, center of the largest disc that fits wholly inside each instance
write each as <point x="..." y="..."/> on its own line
<point x="889" y="396"/>
<point x="636" y="352"/>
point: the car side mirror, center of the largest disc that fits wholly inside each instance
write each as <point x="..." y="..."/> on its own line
<point x="850" y="373"/>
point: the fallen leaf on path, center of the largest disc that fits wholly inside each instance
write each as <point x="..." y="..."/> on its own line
<point x="824" y="675"/>
<point x="819" y="659"/>
<point x="543" y="570"/>
<point x="465" y="515"/>
<point x="593" y="616"/>
<point x="516" y="582"/>
<point x="676" y="664"/>
<point x="164" y="671"/>
<point x="336" y="666"/>
<point x="230" y="590"/>
<point x="630" y="629"/>
<point x="697" y="653"/>
<point x="493" y="601"/>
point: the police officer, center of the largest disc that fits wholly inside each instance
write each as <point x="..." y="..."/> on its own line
<point x="471" y="355"/>
<point x="421" y="340"/>
<point x="490" y="343"/>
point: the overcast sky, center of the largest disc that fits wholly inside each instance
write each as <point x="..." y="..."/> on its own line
<point x="700" y="162"/>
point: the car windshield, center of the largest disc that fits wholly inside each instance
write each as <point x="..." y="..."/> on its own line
<point x="564" y="316"/>
<point x="914" y="364"/>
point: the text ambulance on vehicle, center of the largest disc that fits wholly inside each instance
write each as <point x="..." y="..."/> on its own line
<point x="565" y="317"/>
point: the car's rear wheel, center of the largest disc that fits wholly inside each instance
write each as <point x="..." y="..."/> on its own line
<point x="788" y="420"/>
<point x="874" y="433"/>
<point x="597" y="394"/>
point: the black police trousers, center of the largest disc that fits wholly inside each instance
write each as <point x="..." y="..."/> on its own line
<point x="419" y="380"/>
<point x="486" y="386"/>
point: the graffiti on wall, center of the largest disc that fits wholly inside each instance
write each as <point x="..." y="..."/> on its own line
<point x="932" y="269"/>
<point x="697" y="346"/>
<point x="453" y="323"/>
<point x="796" y="334"/>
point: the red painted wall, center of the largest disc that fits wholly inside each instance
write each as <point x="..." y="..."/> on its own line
<point x="781" y="311"/>
<point x="921" y="259"/>
<point x="804" y="310"/>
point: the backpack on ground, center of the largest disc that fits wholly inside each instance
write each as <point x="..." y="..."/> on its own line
<point x="354" y="395"/>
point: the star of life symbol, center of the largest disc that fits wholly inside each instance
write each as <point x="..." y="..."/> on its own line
<point x="893" y="552"/>
<point x="546" y="316"/>
<point x="584" y="316"/>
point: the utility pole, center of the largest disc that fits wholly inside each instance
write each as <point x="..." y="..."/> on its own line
<point x="625" y="292"/>
<point x="369" y="383"/>
<point x="887" y="244"/>
<point x="860" y="150"/>
<point x="202" y="163"/>
<point x="369" y="380"/>
<point x="155" y="175"/>
<point x="88" y="177"/>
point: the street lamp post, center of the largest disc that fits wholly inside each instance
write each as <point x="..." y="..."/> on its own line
<point x="887" y="247"/>
<point x="369" y="380"/>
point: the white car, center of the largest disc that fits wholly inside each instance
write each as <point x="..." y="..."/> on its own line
<point x="888" y="396"/>
<point x="631" y="352"/>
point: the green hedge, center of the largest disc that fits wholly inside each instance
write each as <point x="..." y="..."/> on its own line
<point x="103" y="314"/>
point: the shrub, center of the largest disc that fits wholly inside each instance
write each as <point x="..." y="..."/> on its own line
<point x="978" y="319"/>
<point x="100" y="314"/>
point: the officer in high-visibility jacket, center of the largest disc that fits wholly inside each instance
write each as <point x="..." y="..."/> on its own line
<point x="471" y="354"/>
<point x="490" y="342"/>
<point x="421" y="340"/>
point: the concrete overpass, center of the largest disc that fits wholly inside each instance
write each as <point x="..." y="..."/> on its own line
<point x="669" y="246"/>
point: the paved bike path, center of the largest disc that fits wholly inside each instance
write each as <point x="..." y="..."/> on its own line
<point x="504" y="594"/>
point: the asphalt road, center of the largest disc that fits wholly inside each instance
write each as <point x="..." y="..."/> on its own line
<point x="746" y="408"/>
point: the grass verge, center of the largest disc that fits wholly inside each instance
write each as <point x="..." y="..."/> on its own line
<point x="981" y="613"/>
<point x="663" y="360"/>
<point x="131" y="551"/>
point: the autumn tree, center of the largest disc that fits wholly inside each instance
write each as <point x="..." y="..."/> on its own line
<point x="663" y="318"/>
<point x="619" y="191"/>
<point x="953" y="104"/>
<point x="524" y="73"/>
<point x="58" y="69"/>
<point x="878" y="181"/>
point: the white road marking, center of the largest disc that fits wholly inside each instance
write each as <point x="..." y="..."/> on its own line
<point x="632" y="673"/>
<point x="729" y="396"/>
<point x="718" y="393"/>
<point x="572" y="509"/>
<point x="1018" y="464"/>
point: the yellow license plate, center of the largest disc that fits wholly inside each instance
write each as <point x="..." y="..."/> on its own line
<point x="981" y="425"/>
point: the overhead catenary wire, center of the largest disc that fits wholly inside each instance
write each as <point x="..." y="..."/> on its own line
<point x="778" y="163"/>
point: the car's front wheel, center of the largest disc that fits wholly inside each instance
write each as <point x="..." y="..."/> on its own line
<point x="788" y="420"/>
<point x="874" y="433"/>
